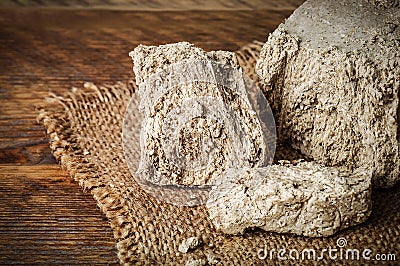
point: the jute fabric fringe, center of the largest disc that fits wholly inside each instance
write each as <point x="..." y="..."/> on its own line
<point x="84" y="128"/>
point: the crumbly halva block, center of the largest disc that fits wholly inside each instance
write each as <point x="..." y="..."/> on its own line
<point x="147" y="60"/>
<point x="331" y="74"/>
<point x="198" y="120"/>
<point x="195" y="262"/>
<point x="305" y="199"/>
<point x="189" y="243"/>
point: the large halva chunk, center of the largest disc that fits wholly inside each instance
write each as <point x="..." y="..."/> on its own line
<point x="305" y="199"/>
<point x="332" y="74"/>
<point x="198" y="118"/>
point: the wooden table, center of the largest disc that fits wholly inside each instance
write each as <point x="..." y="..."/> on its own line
<point x="45" y="217"/>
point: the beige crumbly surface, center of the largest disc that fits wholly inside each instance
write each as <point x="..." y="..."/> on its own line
<point x="147" y="60"/>
<point x="331" y="74"/>
<point x="192" y="131"/>
<point x="195" y="262"/>
<point x="305" y="199"/>
<point x="148" y="229"/>
<point x="189" y="243"/>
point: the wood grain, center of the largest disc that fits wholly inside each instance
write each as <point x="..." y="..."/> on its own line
<point x="154" y="5"/>
<point x="52" y="50"/>
<point x="45" y="218"/>
<point x="44" y="215"/>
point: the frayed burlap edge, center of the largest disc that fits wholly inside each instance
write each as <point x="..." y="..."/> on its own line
<point x="152" y="232"/>
<point x="68" y="154"/>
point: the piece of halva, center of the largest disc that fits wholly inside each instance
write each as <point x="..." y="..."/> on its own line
<point x="198" y="119"/>
<point x="304" y="199"/>
<point x="331" y="73"/>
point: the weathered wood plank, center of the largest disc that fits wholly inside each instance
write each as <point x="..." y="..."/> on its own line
<point x="52" y="50"/>
<point x="154" y="5"/>
<point x="45" y="218"/>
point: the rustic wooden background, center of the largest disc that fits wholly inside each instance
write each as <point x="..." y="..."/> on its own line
<point x="52" y="45"/>
<point x="156" y="5"/>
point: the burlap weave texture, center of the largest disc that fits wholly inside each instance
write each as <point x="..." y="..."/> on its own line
<point x="84" y="128"/>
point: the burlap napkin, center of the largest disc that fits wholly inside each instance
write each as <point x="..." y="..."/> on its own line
<point x="84" y="127"/>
